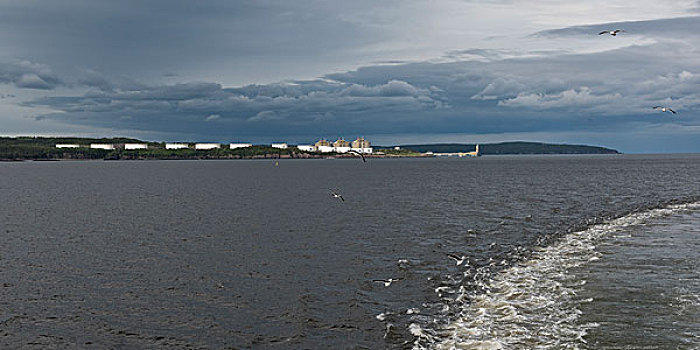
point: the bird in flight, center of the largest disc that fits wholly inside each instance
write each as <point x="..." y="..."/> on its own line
<point x="387" y="282"/>
<point x="359" y="154"/>
<point x="459" y="259"/>
<point x="337" y="195"/>
<point x="611" y="32"/>
<point x="664" y="109"/>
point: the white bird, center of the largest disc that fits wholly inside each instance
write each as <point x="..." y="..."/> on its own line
<point x="359" y="154"/>
<point x="387" y="282"/>
<point x="443" y="289"/>
<point x="458" y="259"/>
<point x="384" y="315"/>
<point x="404" y="263"/>
<point x="337" y="195"/>
<point x="412" y="311"/>
<point x="611" y="32"/>
<point x="665" y="109"/>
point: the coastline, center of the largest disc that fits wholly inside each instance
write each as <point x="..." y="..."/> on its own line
<point x="215" y="157"/>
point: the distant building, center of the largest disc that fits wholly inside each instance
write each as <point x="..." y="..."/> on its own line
<point x="240" y="145"/>
<point x="361" y="143"/>
<point x="306" y="148"/>
<point x="325" y="149"/>
<point x="206" y="146"/>
<point x="67" y="145"/>
<point x="279" y="145"/>
<point x="341" y="146"/>
<point x="135" y="146"/>
<point x="341" y="143"/>
<point x="322" y="143"/>
<point x="176" y="146"/>
<point x="473" y="154"/>
<point x="102" y="146"/>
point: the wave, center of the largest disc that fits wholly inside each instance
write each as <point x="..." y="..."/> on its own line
<point x="535" y="303"/>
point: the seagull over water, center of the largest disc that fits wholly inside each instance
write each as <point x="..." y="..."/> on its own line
<point x="337" y="195"/>
<point x="459" y="259"/>
<point x="611" y="32"/>
<point x="387" y="282"/>
<point x="359" y="154"/>
<point x="664" y="109"/>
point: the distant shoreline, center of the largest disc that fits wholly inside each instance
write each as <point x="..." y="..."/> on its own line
<point x="44" y="149"/>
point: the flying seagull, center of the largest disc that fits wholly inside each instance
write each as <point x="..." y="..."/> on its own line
<point x="387" y="282"/>
<point x="611" y="32"/>
<point x="459" y="259"/>
<point x="665" y="109"/>
<point x="384" y="315"/>
<point x="337" y="195"/>
<point x="359" y="154"/>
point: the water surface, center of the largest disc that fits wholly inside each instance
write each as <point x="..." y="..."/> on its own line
<point x="249" y="255"/>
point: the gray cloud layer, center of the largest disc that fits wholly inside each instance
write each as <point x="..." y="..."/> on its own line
<point x="587" y="89"/>
<point x="28" y="75"/>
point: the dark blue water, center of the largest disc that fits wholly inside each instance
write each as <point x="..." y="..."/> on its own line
<point x="249" y="255"/>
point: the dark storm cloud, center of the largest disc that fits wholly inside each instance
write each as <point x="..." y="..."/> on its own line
<point x="478" y="91"/>
<point x="209" y="108"/>
<point x="28" y="75"/>
<point x="156" y="37"/>
<point x="586" y="92"/>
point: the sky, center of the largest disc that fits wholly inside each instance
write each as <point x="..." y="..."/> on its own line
<point x="393" y="71"/>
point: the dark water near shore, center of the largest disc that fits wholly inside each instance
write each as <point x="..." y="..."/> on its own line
<point x="564" y="252"/>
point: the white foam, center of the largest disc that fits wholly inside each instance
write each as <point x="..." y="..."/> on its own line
<point x="533" y="304"/>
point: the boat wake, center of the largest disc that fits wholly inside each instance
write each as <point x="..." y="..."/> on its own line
<point x="535" y="303"/>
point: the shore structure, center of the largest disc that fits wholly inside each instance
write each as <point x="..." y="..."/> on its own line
<point x="206" y="146"/>
<point x="135" y="146"/>
<point x="102" y="146"/>
<point x="474" y="153"/>
<point x="339" y="146"/>
<point x="279" y="145"/>
<point x="240" y="145"/>
<point x="176" y="146"/>
<point x="360" y="145"/>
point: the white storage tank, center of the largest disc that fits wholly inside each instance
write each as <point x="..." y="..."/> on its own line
<point x="240" y="145"/>
<point x="176" y="146"/>
<point x="206" y="146"/>
<point x="135" y="146"/>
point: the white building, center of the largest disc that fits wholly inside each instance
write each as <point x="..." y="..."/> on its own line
<point x="101" y="146"/>
<point x="205" y="146"/>
<point x="306" y="148"/>
<point x="365" y="150"/>
<point x="176" y="146"/>
<point x="279" y="145"/>
<point x="330" y="149"/>
<point x="67" y="145"/>
<point x="135" y="146"/>
<point x="325" y="149"/>
<point x="240" y="145"/>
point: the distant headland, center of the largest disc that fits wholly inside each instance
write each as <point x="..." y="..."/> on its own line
<point x="120" y="148"/>
<point x="517" y="147"/>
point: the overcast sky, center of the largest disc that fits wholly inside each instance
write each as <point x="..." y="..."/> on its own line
<point x="395" y="71"/>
